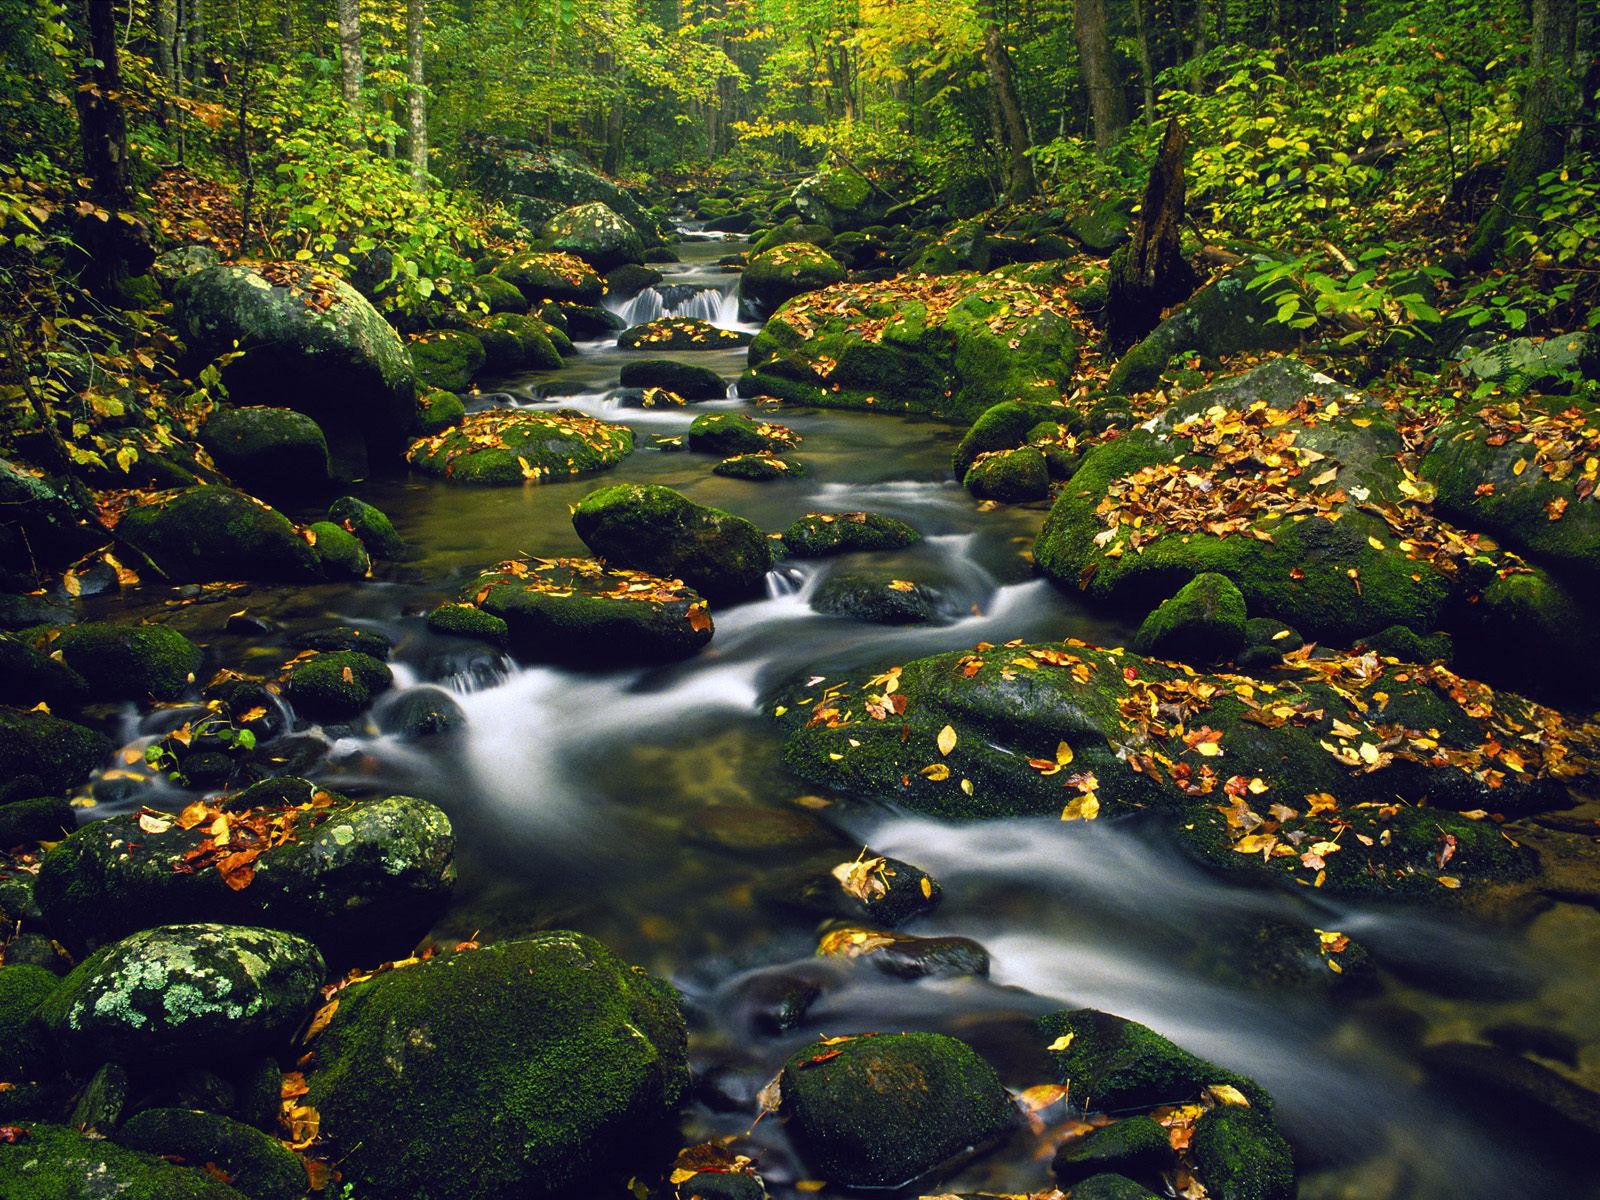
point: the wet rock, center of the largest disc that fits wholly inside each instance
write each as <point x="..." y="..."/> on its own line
<point x="211" y="532"/>
<point x="749" y="829"/>
<point x="1519" y="1092"/>
<point x="1010" y="476"/>
<point x="437" y="411"/>
<point x="655" y="529"/>
<point x="421" y="712"/>
<point x="1136" y="1147"/>
<point x="348" y="637"/>
<point x="447" y="358"/>
<point x="776" y="1002"/>
<point x="184" y="993"/>
<point x="819" y="535"/>
<point x="581" y="611"/>
<point x="28" y="676"/>
<point x="1122" y="1064"/>
<point x="882" y="891"/>
<point x="1111" y="1187"/>
<point x="1240" y="1155"/>
<point x="759" y="468"/>
<point x="1202" y="624"/>
<point x="372" y="526"/>
<point x="58" y="754"/>
<point x="790" y="233"/>
<point x="61" y="1164"/>
<point x="596" y="234"/>
<point x="339" y="553"/>
<point x="1407" y="645"/>
<point x="128" y="661"/>
<point x="735" y="433"/>
<point x="335" y="685"/>
<point x="591" y="321"/>
<point x="24" y="1051"/>
<point x="722" y="1185"/>
<point x="1006" y="425"/>
<point x="469" y="621"/>
<point x="653" y="397"/>
<point x="99" y="1109"/>
<point x="684" y="379"/>
<point x="517" y="342"/>
<point x="260" y="1166"/>
<point x="35" y="819"/>
<point x="783" y="272"/>
<point x="1522" y="1037"/>
<point x="511" y="446"/>
<point x="876" y="599"/>
<point x="310" y="341"/>
<point x="540" y="1068"/>
<point x="906" y="957"/>
<point x="499" y="294"/>
<point x="26" y="612"/>
<point x="274" y="452"/>
<point x="881" y="1110"/>
<point x="544" y="277"/>
<point x="631" y="278"/>
<point x="680" y="333"/>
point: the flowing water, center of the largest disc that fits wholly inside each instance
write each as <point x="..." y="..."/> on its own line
<point x="650" y="808"/>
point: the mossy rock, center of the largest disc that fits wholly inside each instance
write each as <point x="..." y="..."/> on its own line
<point x="680" y="333"/>
<point x="761" y="467"/>
<point x="1239" y="1154"/>
<point x="335" y="686"/>
<point x="185" y="993"/>
<point x="1202" y="624"/>
<point x="1010" y="476"/>
<point x="210" y="532"/>
<point x="36" y="819"/>
<point x="128" y="662"/>
<point x="783" y="272"/>
<point x="372" y="526"/>
<point x="499" y="294"/>
<point x="53" y="1162"/>
<point x="24" y="1051"/>
<point x="1134" y="1146"/>
<point x="735" y="433"/>
<point x="28" y="676"/>
<point x="840" y="199"/>
<point x="421" y="712"/>
<point x="179" y="263"/>
<point x="310" y="341"/>
<point x="260" y="1166"/>
<point x="1105" y="226"/>
<point x="437" y="411"/>
<point x="948" y="347"/>
<point x="541" y="1068"/>
<point x="59" y="754"/>
<point x="1116" y="1064"/>
<point x="882" y="1110"/>
<point x="874" y="889"/>
<point x="790" y="233"/>
<point x="339" y="551"/>
<point x="1407" y="645"/>
<point x="876" y="599"/>
<point x="820" y="535"/>
<point x="469" y="621"/>
<point x="269" y="451"/>
<point x="516" y="341"/>
<point x="631" y="278"/>
<point x="1527" y="629"/>
<point x="500" y="447"/>
<point x="578" y="610"/>
<point x="688" y="380"/>
<point x="1006" y="425"/>
<point x="655" y="529"/>
<point x="365" y="876"/>
<point x="546" y="277"/>
<point x="597" y="235"/>
<point x="447" y="358"/>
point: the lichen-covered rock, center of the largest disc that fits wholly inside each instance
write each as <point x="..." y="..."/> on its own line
<point x="335" y="686"/>
<point x="309" y="341"/>
<point x="541" y="1068"/>
<point x="578" y="610"/>
<point x="952" y="346"/>
<point x="760" y="467"/>
<point x="1010" y="476"/>
<point x="469" y="621"/>
<point x="1202" y="624"/>
<point x="881" y="1110"/>
<point x="735" y="433"/>
<point x="655" y="529"/>
<point x="276" y="452"/>
<point x="210" y="533"/>
<point x="1240" y="1155"/>
<point x="545" y="278"/>
<point x="680" y="333"/>
<point x="129" y="662"/>
<point x="57" y="753"/>
<point x="500" y="446"/>
<point x="447" y="358"/>
<point x="172" y="266"/>
<point x="339" y="552"/>
<point x="53" y="1162"/>
<point x="1121" y="1064"/>
<point x="185" y="993"/>
<point x="683" y="379"/>
<point x="786" y="271"/>
<point x="372" y="526"/>
<point x="595" y="234"/>
<point x="875" y="598"/>
<point x="820" y="535"/>
<point x="260" y="1166"/>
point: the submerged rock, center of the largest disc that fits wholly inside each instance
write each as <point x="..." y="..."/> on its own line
<point x="511" y="446"/>
<point x="541" y="1068"/>
<point x="820" y="535"/>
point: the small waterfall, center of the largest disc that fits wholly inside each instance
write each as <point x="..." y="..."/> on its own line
<point x="718" y="305"/>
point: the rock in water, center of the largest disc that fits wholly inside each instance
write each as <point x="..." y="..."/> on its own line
<point x="511" y="446"/>
<point x="211" y="532"/>
<point x="310" y="341"/>
<point x="1010" y="476"/>
<point x="685" y="379"/>
<point x="820" y="535"/>
<point x="735" y="433"/>
<point x="448" y="359"/>
<point x="545" y="277"/>
<point x="540" y="1068"/>
<point x="680" y="333"/>
<point x="59" y="754"/>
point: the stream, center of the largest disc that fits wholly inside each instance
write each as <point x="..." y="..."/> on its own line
<point x="650" y="807"/>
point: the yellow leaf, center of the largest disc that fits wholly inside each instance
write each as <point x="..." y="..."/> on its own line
<point x="1063" y="754"/>
<point x="1449" y="881"/>
<point x="927" y="888"/>
<point x="1375" y="543"/>
<point x="1226" y="1093"/>
<point x="1084" y="808"/>
<point x="1062" y="1042"/>
<point x="947" y="740"/>
<point x="936" y="772"/>
<point x="1520" y="466"/>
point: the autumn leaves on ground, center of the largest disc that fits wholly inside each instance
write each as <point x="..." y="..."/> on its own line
<point x="1290" y="384"/>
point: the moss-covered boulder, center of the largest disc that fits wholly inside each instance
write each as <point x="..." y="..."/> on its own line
<point x="541" y="1068"/>
<point x="185" y="993"/>
<point x="1202" y="624"/>
<point x="447" y="358"/>
<point x="1105" y="226"/>
<point x="363" y="876"/>
<point x="952" y="346"/>
<point x="469" y="621"/>
<point x="877" y="599"/>
<point x="499" y="295"/>
<point x="680" y="333"/>
<point x="258" y="1165"/>
<point x="309" y="341"/>
<point x="1010" y="476"/>
<point x="544" y="277"/>
<point x="1115" y="1063"/>
<point x="786" y="271"/>
<point x="210" y="532"/>
<point x="760" y="467"/>
<point x="840" y="199"/>
<point x="1006" y="425"/>
<point x="372" y="526"/>
<point x="54" y="1162"/>
<point x="578" y="610"/>
<point x="881" y="1110"/>
<point x="655" y="529"/>
<point x="59" y="754"/>
<point x="688" y="380"/>
<point x="1112" y="1187"/>
<point x="519" y="342"/>
<point x="595" y="234"/>
<point x="339" y="552"/>
<point x="1239" y="1154"/>
<point x="128" y="662"/>
<point x="1136" y="1146"/>
<point x="503" y="446"/>
<point x="735" y="433"/>
<point x="336" y="685"/>
<point x="1526" y="629"/>
<point x="790" y="232"/>
<point x="275" y="452"/>
<point x="820" y="535"/>
<point x="29" y="676"/>
<point x="23" y="1048"/>
<point x="437" y="411"/>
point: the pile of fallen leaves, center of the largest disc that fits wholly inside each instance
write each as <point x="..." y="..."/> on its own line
<point x="1561" y="445"/>
<point x="316" y="288"/>
<point x="233" y="841"/>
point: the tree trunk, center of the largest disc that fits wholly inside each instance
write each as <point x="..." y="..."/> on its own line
<point x="417" y="101"/>
<point x="1020" y="181"/>
<point x="1108" y="111"/>
<point x="1150" y="273"/>
<point x="166" y="32"/>
<point x="1548" y="107"/>
<point x="348" y="14"/>
<point x="1147" y="71"/>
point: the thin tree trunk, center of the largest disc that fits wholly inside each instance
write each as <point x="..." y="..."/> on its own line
<point x="1150" y="273"/>
<point x="1147" y="71"/>
<point x="1020" y="181"/>
<point x="1108" y="111"/>
<point x="102" y="124"/>
<point x="348" y="15"/>
<point x="417" y="100"/>
<point x="166" y="31"/>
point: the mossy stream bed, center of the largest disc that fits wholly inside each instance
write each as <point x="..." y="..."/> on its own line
<point x="651" y="808"/>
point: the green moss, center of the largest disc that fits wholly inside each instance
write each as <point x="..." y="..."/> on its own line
<point x="372" y="526"/>
<point x="500" y="295"/>
<point x="36" y="819"/>
<point x="210" y="532"/>
<point x="735" y="433"/>
<point x="789" y="233"/>
<point x="1201" y="625"/>
<point x="515" y="341"/>
<point x="23" y="1048"/>
<point x="469" y="621"/>
<point x="819" y="535"/>
<point x="59" y="754"/>
<point x="1408" y="645"/>
<point x="680" y="333"/>
<point x="595" y="234"/>
<point x="52" y="1162"/>
<point x="336" y="685"/>
<point x="782" y="272"/>
<point x="339" y="551"/>
<point x="447" y="358"/>
<point x="502" y="447"/>
<point x="759" y="468"/>
<point x="1006" y="425"/>
<point x="260" y="1166"/>
<point x="29" y="676"/>
<point x="438" y="411"/>
<point x="685" y="379"/>
<point x="1010" y="476"/>
<point x="1111" y="1187"/>
<point x="538" y="1068"/>
<point x="129" y="661"/>
<point x="543" y="277"/>
<point x="1134" y="1146"/>
<point x="273" y="450"/>
<point x="1240" y="1155"/>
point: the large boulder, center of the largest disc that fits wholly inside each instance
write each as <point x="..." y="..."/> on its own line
<point x="517" y="342"/>
<point x="310" y="341"/>
<point x="361" y="877"/>
<point x="580" y="611"/>
<point x="273" y="452"/>
<point x="1006" y="426"/>
<point x="185" y="994"/>
<point x="952" y="346"/>
<point x="58" y="754"/>
<point x="545" y="277"/>
<point x="504" y="446"/>
<point x="786" y="271"/>
<point x="54" y="1162"/>
<point x="655" y="529"/>
<point x="540" y="1068"/>
<point x="735" y="433"/>
<point x="211" y="532"/>
<point x="540" y="183"/>
<point x="1009" y="476"/>
<point x="447" y="359"/>
<point x="881" y="1110"/>
<point x="840" y="199"/>
<point x="595" y="234"/>
<point x="127" y="662"/>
